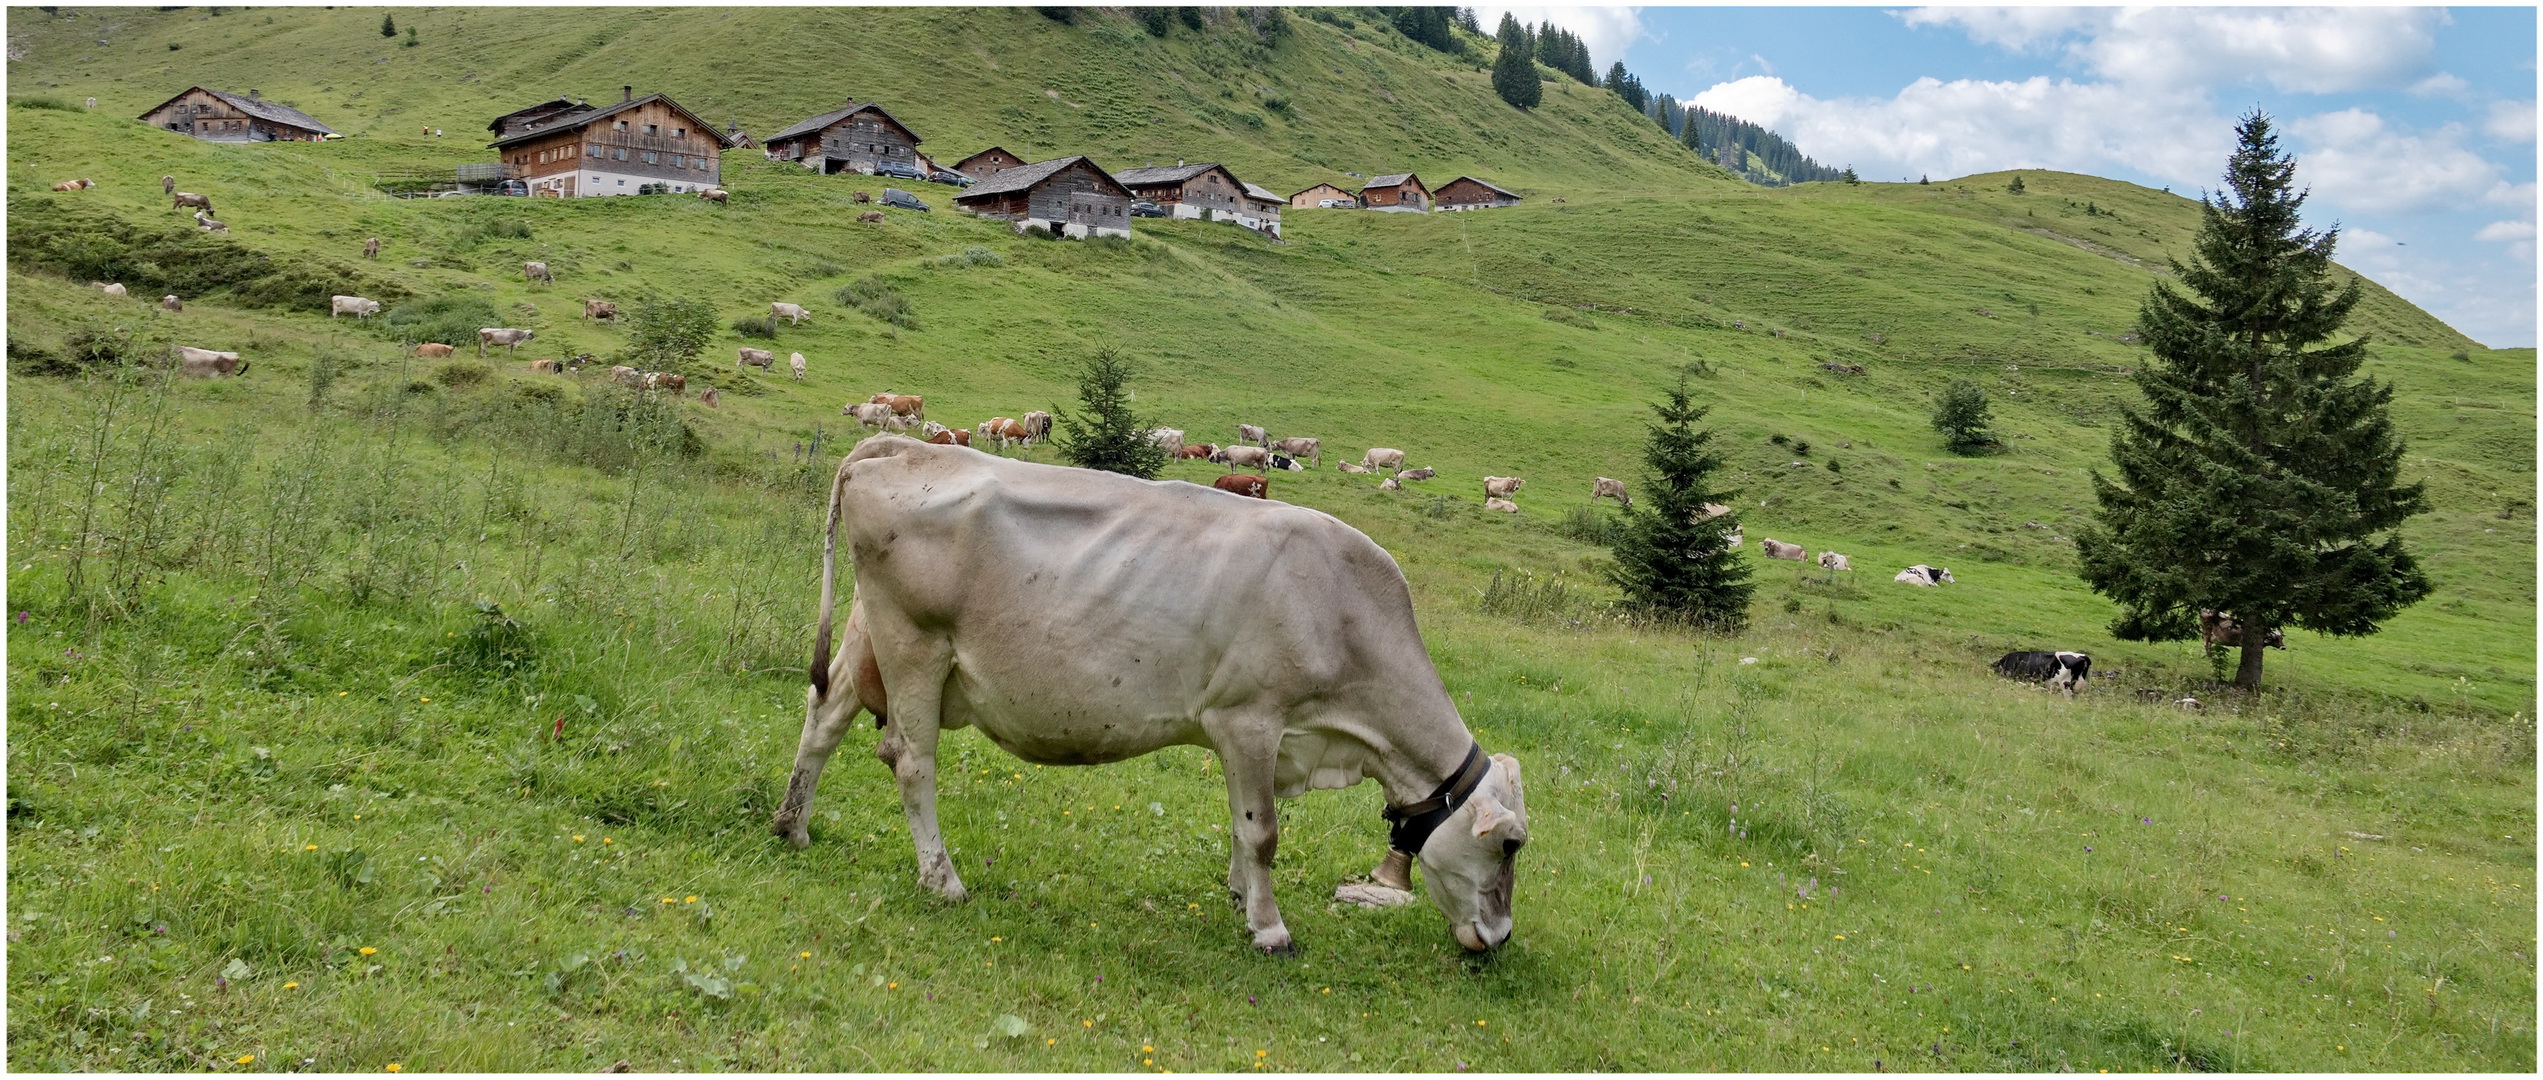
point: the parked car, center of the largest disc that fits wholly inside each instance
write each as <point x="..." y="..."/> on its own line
<point x="902" y="169"/>
<point x="513" y="187"/>
<point x="1144" y="208"/>
<point x="893" y="196"/>
<point x="950" y="178"/>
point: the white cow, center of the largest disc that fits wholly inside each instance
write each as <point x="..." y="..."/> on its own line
<point x="1777" y="549"/>
<point x="1301" y="447"/>
<point x="868" y="414"/>
<point x="1609" y="488"/>
<point x="1501" y="487"/>
<point x="1921" y="574"/>
<point x="794" y="314"/>
<point x="509" y="338"/>
<point x="1380" y="457"/>
<point x="1301" y="673"/>
<point x="1037" y="426"/>
<point x="1503" y="505"/>
<point x="797" y="363"/>
<point x="196" y="363"/>
<point x="1257" y="436"/>
<point x="115" y="288"/>
<point x="760" y="357"/>
<point x="1249" y="457"/>
<point x="1170" y="438"/>
<point x="1829" y="560"/>
<point x="358" y="307"/>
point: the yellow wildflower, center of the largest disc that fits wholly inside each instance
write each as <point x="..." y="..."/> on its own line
<point x="367" y="950"/>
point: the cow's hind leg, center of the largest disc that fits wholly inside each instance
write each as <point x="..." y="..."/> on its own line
<point x="825" y="722"/>
<point x="909" y="747"/>
<point x="1253" y="826"/>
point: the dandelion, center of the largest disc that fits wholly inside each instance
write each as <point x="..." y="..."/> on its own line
<point x="669" y="900"/>
<point x="1262" y="1053"/>
<point x="1328" y="990"/>
<point x="291" y="986"/>
<point x="891" y="986"/>
<point x="395" y="1067"/>
<point x="578" y="839"/>
<point x="1147" y="1049"/>
<point x="369" y="951"/>
<point x="1841" y="937"/>
<point x="690" y="900"/>
<point x="308" y="847"/>
<point x="247" y="1059"/>
<point x="1480" y="1023"/>
<point x="426" y="701"/>
<point x="341" y="693"/>
<point x="607" y="840"/>
<point x="1050" y="1042"/>
<point x="992" y="939"/>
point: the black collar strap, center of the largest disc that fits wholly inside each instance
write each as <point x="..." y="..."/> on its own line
<point x="1409" y="827"/>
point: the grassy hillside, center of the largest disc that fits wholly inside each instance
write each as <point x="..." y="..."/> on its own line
<point x="493" y="673"/>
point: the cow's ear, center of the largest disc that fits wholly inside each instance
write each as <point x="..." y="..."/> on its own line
<point x="1509" y="766"/>
<point x="1489" y="814"/>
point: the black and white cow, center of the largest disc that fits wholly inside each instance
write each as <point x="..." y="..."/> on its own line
<point x="2061" y="670"/>
<point x="1921" y="574"/>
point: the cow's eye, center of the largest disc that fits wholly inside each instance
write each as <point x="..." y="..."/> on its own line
<point x="1510" y="849"/>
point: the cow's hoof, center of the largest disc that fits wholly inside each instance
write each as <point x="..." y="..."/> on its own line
<point x="1275" y="942"/>
<point x="792" y="830"/>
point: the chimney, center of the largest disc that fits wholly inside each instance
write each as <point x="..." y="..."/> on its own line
<point x="626" y="93"/>
<point x="1178" y="163"/>
<point x="252" y="95"/>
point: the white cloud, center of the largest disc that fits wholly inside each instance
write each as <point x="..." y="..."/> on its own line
<point x="2511" y="120"/>
<point x="2442" y="84"/>
<point x="1608" y="31"/>
<point x="2315" y="50"/>
<point x="2353" y="160"/>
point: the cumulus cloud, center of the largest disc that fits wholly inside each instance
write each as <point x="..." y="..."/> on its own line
<point x="2354" y="160"/>
<point x="1608" y="31"/>
<point x="2510" y="120"/>
<point x="2314" y="50"/>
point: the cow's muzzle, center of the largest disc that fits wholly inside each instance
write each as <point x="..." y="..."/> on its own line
<point x="1472" y="938"/>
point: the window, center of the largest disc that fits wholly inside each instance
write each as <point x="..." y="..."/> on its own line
<point x="619" y="153"/>
<point x="679" y="133"/>
<point x="621" y="125"/>
<point x="675" y="161"/>
<point x="591" y="150"/>
<point x="649" y="158"/>
<point x="652" y="130"/>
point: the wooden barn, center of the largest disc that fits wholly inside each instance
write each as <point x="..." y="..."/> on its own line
<point x="619" y="149"/>
<point x="218" y="116"/>
<point x="988" y="163"/>
<point x="1262" y="210"/>
<point x="1324" y="197"/>
<point x="1070" y="196"/>
<point x="853" y="139"/>
<point x="1398" y="192"/>
<point x="1206" y="191"/>
<point x="1469" y="193"/>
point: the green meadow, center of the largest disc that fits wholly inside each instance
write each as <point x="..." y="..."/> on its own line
<point x="368" y="711"/>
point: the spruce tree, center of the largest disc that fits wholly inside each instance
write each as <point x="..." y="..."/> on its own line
<point x="1671" y="561"/>
<point x="1961" y="416"/>
<point x="388" y="26"/>
<point x="1514" y="74"/>
<point x="1109" y="434"/>
<point x="2260" y="477"/>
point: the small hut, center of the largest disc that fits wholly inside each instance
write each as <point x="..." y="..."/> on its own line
<point x="1397" y="192"/>
<point x="854" y="139"/>
<point x="1071" y="196"/>
<point x="1324" y="197"/>
<point x="988" y="163"/>
<point x="1469" y="193"/>
<point x="220" y="116"/>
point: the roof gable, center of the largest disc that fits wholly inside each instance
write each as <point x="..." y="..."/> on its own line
<point x="1312" y="187"/>
<point x="1394" y="180"/>
<point x="1019" y="158"/>
<point x="1155" y="176"/>
<point x="549" y="110"/>
<point x="1479" y="181"/>
<point x="576" y="121"/>
<point x="256" y="107"/>
<point x="824" y="120"/>
<point x="1027" y="177"/>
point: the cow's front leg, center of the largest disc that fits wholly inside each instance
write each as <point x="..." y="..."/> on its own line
<point x="1254" y="829"/>
<point x="909" y="747"/>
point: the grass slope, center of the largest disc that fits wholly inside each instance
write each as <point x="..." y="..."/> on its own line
<point x="271" y="593"/>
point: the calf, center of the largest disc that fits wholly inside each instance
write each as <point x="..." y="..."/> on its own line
<point x="600" y="309"/>
<point x="1392" y="483"/>
<point x="433" y="350"/>
<point x="1196" y="450"/>
<point x="1238" y="484"/>
<point x="1503" y="505"/>
<point x="1777" y="549"/>
<point x="1349" y="467"/>
<point x="1829" y="560"/>
<point x="747" y="356"/>
<point x="361" y="308"/>
<point x="1301" y="447"/>
<point x="1251" y="457"/>
<point x="1921" y="574"/>
<point x="2061" y="670"/>
<point x="1606" y="488"/>
<point x="709" y="398"/>
<point x="187" y="198"/>
<point x="1501" y="487"/>
<point x="951" y="437"/>
<point x="796" y="362"/>
<point x="794" y="314"/>
<point x="2224" y="631"/>
<point x="511" y="339"/>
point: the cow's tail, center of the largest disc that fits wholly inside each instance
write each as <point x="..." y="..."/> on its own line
<point x="829" y="578"/>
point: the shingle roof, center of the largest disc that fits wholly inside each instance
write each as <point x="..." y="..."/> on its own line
<point x="585" y="119"/>
<point x="1025" y="176"/>
<point x="1388" y="180"/>
<point x="1486" y="183"/>
<point x="1312" y="187"/>
<point x="1258" y="191"/>
<point x="1170" y="174"/>
<point x="826" y="119"/>
<point x="267" y="110"/>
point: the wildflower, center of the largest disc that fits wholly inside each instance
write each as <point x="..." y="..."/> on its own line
<point x="1841" y="937"/>
<point x="891" y="986"/>
<point x="578" y="839"/>
<point x="1328" y="990"/>
<point x="426" y="701"/>
<point x="341" y="693"/>
<point x="367" y="950"/>
<point x="806" y="955"/>
<point x="291" y="986"/>
<point x="1147" y="1049"/>
<point x="669" y="900"/>
<point x="607" y="840"/>
<point x="992" y="939"/>
<point x="247" y="1059"/>
<point x="1262" y="1053"/>
<point x="1480" y="1023"/>
<point x="308" y="847"/>
<point x="395" y="1067"/>
<point x="690" y="900"/>
<point x="1088" y="1023"/>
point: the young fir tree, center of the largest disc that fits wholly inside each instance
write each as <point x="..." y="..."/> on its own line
<point x="2261" y="476"/>
<point x="1514" y="74"/>
<point x="388" y="26"/>
<point x="1108" y="435"/>
<point x="1961" y="416"/>
<point x="1672" y="561"/>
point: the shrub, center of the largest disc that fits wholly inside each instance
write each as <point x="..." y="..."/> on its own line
<point x="668" y="334"/>
<point x="451" y="319"/>
<point x="970" y="256"/>
<point x="462" y="373"/>
<point x="1587" y="525"/>
<point x="756" y="326"/>
<point x="1156" y="20"/>
<point x="496" y="229"/>
<point x="325" y="366"/>
<point x="43" y="101"/>
<point x="873" y="297"/>
<point x="85" y="348"/>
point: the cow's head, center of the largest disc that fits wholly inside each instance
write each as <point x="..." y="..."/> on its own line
<point x="1468" y="860"/>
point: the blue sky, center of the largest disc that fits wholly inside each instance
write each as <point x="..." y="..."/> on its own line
<point x="2415" y="127"/>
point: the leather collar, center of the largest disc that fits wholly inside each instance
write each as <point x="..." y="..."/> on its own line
<point x="1409" y="827"/>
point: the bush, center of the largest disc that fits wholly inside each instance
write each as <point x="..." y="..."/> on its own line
<point x="1156" y="20"/>
<point x="451" y="319"/>
<point x="873" y="297"/>
<point x="43" y="101"/>
<point x="85" y="348"/>
<point x="756" y="326"/>
<point x="496" y="229"/>
<point x="462" y="373"/>
<point x="970" y="256"/>
<point x="1962" y="418"/>
<point x="667" y="334"/>
<point x="1587" y="525"/>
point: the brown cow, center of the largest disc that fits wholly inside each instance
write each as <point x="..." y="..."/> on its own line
<point x="167" y="185"/>
<point x="714" y="195"/>
<point x="861" y="197"/>
<point x="1501" y="487"/>
<point x="870" y="217"/>
<point x="2226" y="632"/>
<point x="664" y="380"/>
<point x="600" y="309"/>
<point x="1195" y="450"/>
<point x="1777" y="549"/>
<point x="912" y="406"/>
<point x="434" y="350"/>
<point x="187" y="198"/>
<point x="75" y="185"/>
<point x="1240" y="484"/>
<point x="951" y="437"/>
<point x="547" y="367"/>
<point x="171" y="303"/>
<point x="536" y="271"/>
<point x="371" y="248"/>
<point x="709" y="398"/>
<point x="1610" y="488"/>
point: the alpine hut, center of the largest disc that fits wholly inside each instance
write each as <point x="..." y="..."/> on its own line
<point x="860" y="138"/>
<point x="1469" y="193"/>
<point x="988" y="163"/>
<point x="1207" y="191"/>
<point x="625" y="148"/>
<point x="1070" y="196"/>
<point x="220" y="116"/>
<point x="1324" y="197"/>
<point x="1398" y="192"/>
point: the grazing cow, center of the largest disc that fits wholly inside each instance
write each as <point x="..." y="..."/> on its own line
<point x="171" y="303"/>
<point x="860" y="197"/>
<point x="1392" y="483"/>
<point x="1250" y="486"/>
<point x="1250" y="433"/>
<point x="1196" y="450"/>
<point x="509" y="338"/>
<point x="204" y="221"/>
<point x="196" y="363"/>
<point x="718" y="196"/>
<point x="600" y="309"/>
<point x="1005" y="431"/>
<point x="1277" y="637"/>
<point x="795" y="363"/>
<point x="709" y="398"/>
<point x="433" y="350"/>
<point x="747" y="356"/>
<point x="870" y="217"/>
<point x="167" y="185"/>
<point x="910" y="406"/>
<point x="371" y="248"/>
<point x="2061" y="670"/>
<point x="1777" y="549"/>
<point x="361" y="308"/>
<point x="187" y="198"/>
<point x="1417" y="475"/>
<point x="1251" y="457"/>
<point x="1501" y="487"/>
<point x="536" y="271"/>
<point x="664" y="380"/>
<point x="111" y="288"/>
<point x="1921" y="574"/>
<point x="626" y="376"/>
<point x="929" y="429"/>
<point x="1606" y="488"/>
<point x="1503" y="505"/>
<point x="868" y="414"/>
<point x="1037" y="424"/>
<point x="1382" y="458"/>
<point x="1301" y="447"/>
<point x="1169" y="438"/>
<point x="2224" y="631"/>
<point x="955" y="436"/>
<point x="1831" y="561"/>
<point x="794" y="314"/>
<point x="1349" y="467"/>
